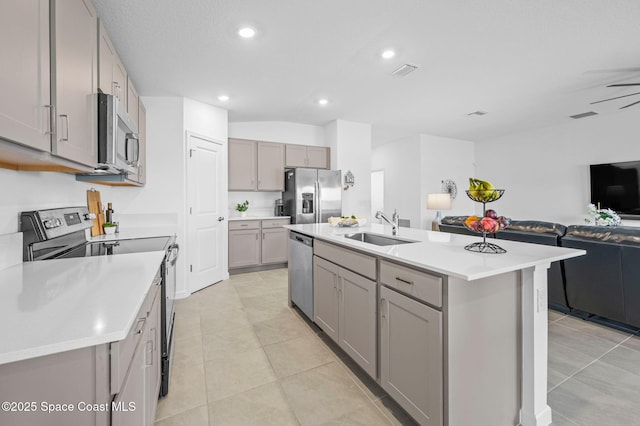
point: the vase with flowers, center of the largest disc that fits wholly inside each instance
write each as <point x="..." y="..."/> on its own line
<point x="602" y="217"/>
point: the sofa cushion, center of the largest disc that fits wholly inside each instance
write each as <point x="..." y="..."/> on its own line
<point x="619" y="235"/>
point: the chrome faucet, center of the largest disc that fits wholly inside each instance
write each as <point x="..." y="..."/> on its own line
<point x="393" y="221"/>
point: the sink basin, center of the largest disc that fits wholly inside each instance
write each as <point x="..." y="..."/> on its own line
<point x="377" y="239"/>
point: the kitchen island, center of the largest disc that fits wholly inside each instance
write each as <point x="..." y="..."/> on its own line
<point x="455" y="337"/>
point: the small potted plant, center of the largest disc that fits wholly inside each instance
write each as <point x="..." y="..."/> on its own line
<point x="110" y="228"/>
<point x="242" y="208"/>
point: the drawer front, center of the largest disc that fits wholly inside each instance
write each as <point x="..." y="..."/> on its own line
<point x="421" y="285"/>
<point x="274" y="223"/>
<point x="243" y="224"/>
<point x="354" y="261"/>
<point x="122" y="351"/>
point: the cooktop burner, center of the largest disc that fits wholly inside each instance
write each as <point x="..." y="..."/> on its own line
<point x="118" y="247"/>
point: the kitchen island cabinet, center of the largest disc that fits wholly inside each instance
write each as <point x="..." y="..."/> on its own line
<point x="462" y="335"/>
<point x="345" y="308"/>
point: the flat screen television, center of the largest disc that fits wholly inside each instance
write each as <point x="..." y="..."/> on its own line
<point x="616" y="186"/>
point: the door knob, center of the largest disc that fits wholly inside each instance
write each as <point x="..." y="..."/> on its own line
<point x="220" y="219"/>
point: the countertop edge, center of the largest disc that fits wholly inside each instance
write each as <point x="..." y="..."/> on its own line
<point x="467" y="277"/>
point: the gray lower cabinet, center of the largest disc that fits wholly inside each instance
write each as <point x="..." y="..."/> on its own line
<point x="257" y="242"/>
<point x="412" y="377"/>
<point x="244" y="247"/>
<point x="345" y="308"/>
<point x="274" y="245"/>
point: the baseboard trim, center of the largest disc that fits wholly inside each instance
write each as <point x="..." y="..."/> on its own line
<point x="257" y="268"/>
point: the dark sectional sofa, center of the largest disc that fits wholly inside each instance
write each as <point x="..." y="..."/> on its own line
<point x="603" y="285"/>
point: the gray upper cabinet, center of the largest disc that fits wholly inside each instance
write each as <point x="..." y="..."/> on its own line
<point x="24" y="81"/>
<point x="112" y="76"/>
<point x="75" y="79"/>
<point x="242" y="165"/>
<point x="270" y="166"/>
<point x="132" y="102"/>
<point x="307" y="156"/>
<point x="255" y="166"/>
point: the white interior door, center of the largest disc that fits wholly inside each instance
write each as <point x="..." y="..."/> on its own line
<point x="206" y="216"/>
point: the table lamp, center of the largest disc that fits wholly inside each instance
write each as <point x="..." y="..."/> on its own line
<point x="438" y="202"/>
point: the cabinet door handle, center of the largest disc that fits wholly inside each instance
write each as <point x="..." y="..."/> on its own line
<point x="50" y="119"/>
<point x="140" y="325"/>
<point x="148" y="353"/>
<point x="382" y="315"/>
<point x="65" y="118"/>
<point x="404" y="281"/>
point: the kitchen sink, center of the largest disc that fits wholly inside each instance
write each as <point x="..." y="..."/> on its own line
<point x="377" y="239"/>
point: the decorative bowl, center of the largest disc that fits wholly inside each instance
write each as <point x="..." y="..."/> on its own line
<point x="485" y="195"/>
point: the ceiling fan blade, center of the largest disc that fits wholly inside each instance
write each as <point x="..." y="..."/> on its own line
<point x="627" y="106"/>
<point x="624" y="85"/>
<point x="617" y="97"/>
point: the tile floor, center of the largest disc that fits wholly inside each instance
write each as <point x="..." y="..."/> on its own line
<point x="242" y="357"/>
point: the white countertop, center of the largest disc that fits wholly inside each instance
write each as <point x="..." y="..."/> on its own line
<point x="53" y="306"/>
<point x="443" y="252"/>
<point x="234" y="218"/>
<point x="129" y="233"/>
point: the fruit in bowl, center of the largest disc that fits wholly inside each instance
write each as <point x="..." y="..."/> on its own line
<point x="490" y="223"/>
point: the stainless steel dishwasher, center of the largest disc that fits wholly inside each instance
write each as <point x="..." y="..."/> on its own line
<point x="301" y="272"/>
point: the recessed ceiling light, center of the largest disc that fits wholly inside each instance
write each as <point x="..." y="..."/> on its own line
<point x="388" y="54"/>
<point x="223" y="98"/>
<point x="246" y="32"/>
<point x="323" y="101"/>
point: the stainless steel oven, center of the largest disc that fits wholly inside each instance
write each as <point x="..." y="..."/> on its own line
<point x="60" y="233"/>
<point x="168" y="290"/>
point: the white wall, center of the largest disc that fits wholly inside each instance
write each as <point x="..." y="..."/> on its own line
<point x="278" y="131"/>
<point x="24" y="191"/>
<point x="260" y="203"/>
<point x="416" y="166"/>
<point x="400" y="161"/>
<point x="445" y="158"/>
<point x="546" y="171"/>
<point x="350" y="144"/>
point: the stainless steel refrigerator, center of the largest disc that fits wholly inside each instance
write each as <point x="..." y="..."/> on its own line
<point x="312" y="195"/>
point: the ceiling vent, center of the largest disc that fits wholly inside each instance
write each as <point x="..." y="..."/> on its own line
<point x="583" y="115"/>
<point x="403" y="70"/>
<point x="478" y="113"/>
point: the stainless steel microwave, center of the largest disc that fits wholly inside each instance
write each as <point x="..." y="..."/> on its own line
<point x="118" y="144"/>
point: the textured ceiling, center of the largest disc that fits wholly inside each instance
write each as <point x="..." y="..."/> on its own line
<point x="529" y="64"/>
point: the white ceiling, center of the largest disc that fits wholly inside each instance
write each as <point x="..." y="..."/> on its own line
<point x="528" y="63"/>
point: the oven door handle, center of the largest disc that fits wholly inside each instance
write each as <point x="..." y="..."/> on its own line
<point x="174" y="250"/>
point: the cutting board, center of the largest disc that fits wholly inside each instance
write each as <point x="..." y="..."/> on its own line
<point x="95" y="206"/>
